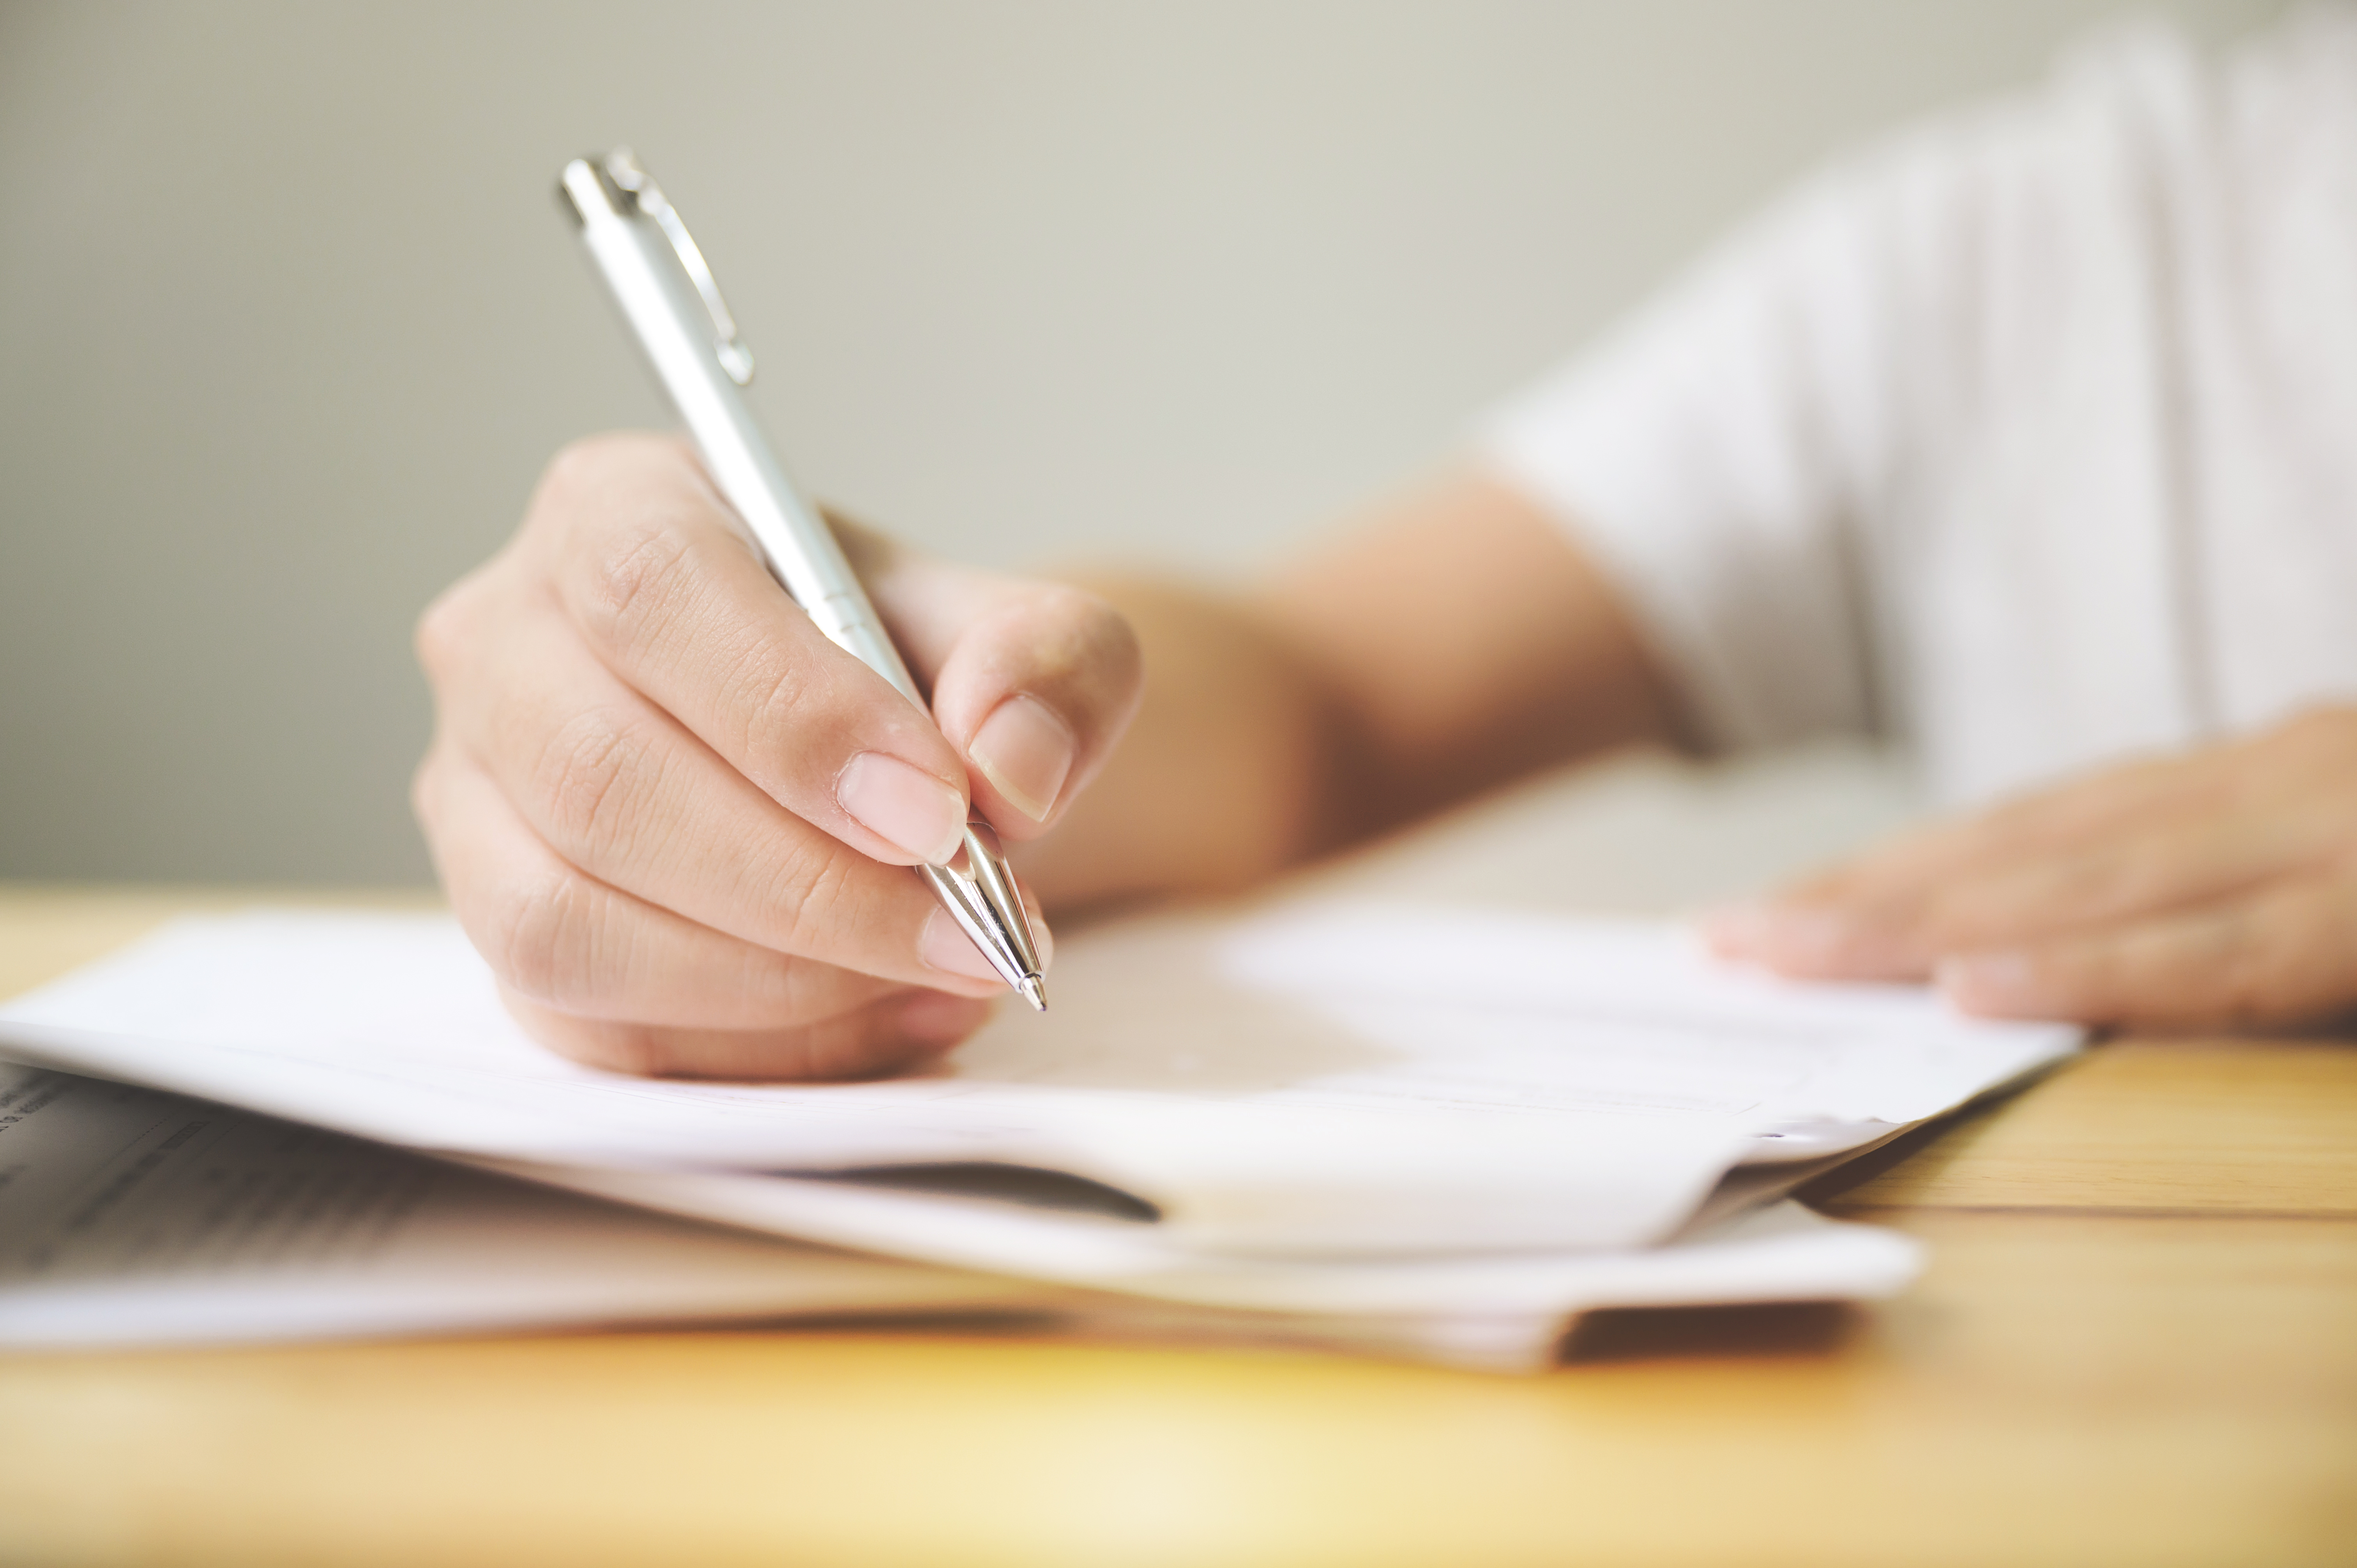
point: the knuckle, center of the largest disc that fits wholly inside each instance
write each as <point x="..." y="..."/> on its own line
<point x="1088" y="633"/>
<point x="445" y="631"/>
<point x="581" y="469"/>
<point x="815" y="889"/>
<point x="628" y="600"/>
<point x="784" y="702"/>
<point x="1108" y="630"/>
<point x="591" y="781"/>
<point x="541" y="941"/>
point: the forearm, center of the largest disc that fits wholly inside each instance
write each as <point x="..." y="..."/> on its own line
<point x="1448" y="642"/>
<point x="1463" y="639"/>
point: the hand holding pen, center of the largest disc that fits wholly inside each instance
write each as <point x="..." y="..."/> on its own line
<point x="675" y="813"/>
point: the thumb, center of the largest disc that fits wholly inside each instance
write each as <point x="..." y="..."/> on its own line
<point x="1033" y="683"/>
<point x="1034" y="693"/>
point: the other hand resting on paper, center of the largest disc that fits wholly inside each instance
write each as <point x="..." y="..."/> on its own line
<point x="2214" y="888"/>
<point x="676" y="820"/>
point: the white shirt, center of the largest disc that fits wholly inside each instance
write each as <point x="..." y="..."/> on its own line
<point x="2030" y="438"/>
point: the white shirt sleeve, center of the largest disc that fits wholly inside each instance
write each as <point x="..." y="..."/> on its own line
<point x="1715" y="455"/>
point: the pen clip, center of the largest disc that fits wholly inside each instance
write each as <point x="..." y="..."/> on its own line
<point x="630" y="176"/>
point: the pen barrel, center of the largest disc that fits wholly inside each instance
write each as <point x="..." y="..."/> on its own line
<point x="793" y="539"/>
<point x="703" y="375"/>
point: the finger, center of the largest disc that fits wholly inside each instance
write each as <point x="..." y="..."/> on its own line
<point x="574" y="945"/>
<point x="2286" y="955"/>
<point x="617" y="789"/>
<point x="886" y="1035"/>
<point x="1033" y="681"/>
<point x="1037" y="693"/>
<point x="650" y="570"/>
<point x="2179" y="862"/>
<point x="2124" y="796"/>
<point x="1890" y="914"/>
<point x="2126" y="874"/>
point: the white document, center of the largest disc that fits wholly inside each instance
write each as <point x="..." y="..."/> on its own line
<point x="132" y="1217"/>
<point x="1351" y="1082"/>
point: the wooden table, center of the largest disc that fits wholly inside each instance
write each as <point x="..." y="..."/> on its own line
<point x="2137" y="1345"/>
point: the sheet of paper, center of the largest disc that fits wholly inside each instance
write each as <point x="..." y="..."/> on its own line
<point x="131" y="1217"/>
<point x="1350" y="1080"/>
<point x="1514" y="1012"/>
<point x="1780" y="1252"/>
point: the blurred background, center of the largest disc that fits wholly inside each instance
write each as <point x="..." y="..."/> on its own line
<point x="289" y="321"/>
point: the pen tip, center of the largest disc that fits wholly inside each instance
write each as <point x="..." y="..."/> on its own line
<point x="1033" y="992"/>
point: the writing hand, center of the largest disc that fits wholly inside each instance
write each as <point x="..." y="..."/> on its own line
<point x="2214" y="888"/>
<point x="675" y="819"/>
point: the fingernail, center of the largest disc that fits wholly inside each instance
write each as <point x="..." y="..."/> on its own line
<point x="938" y="1018"/>
<point x="943" y="945"/>
<point x="1024" y="751"/>
<point x="2004" y="982"/>
<point x="903" y="804"/>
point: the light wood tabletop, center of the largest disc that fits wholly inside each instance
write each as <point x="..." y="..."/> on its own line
<point x="2137" y="1343"/>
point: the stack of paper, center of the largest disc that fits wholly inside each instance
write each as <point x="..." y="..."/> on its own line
<point x="1433" y="1129"/>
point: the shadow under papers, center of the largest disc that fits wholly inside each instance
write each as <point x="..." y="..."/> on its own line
<point x="1929" y="1149"/>
<point x="1615" y="1335"/>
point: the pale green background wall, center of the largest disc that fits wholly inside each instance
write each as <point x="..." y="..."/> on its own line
<point x="288" y="320"/>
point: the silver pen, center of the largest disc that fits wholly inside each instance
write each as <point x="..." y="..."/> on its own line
<point x="661" y="280"/>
